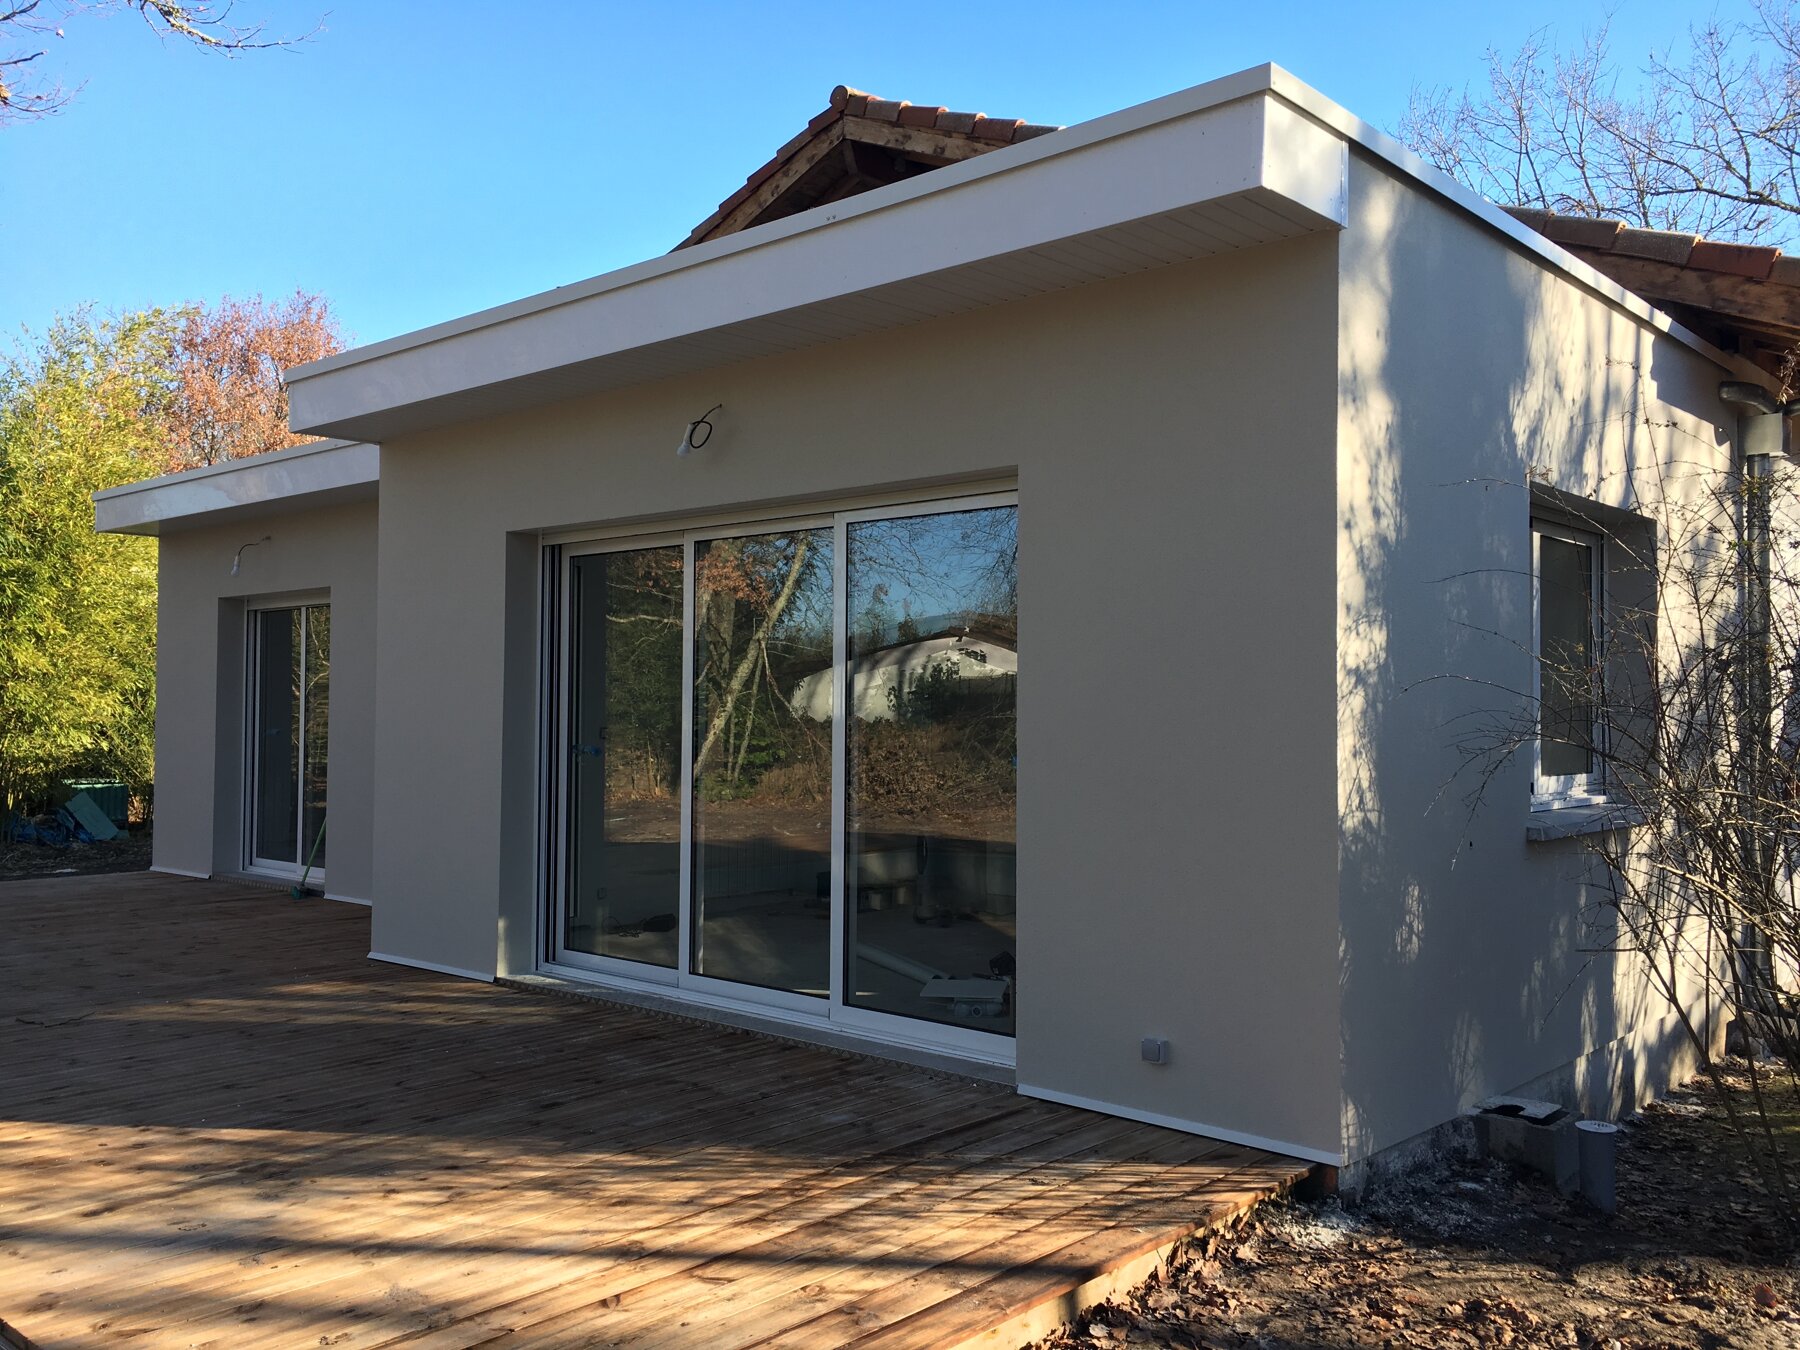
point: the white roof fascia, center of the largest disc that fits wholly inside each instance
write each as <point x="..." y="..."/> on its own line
<point x="1384" y="147"/>
<point x="1227" y="142"/>
<point x="306" y="475"/>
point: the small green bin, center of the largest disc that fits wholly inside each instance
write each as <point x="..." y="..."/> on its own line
<point x="114" y="798"/>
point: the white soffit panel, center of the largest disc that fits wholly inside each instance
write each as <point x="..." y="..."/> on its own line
<point x="1222" y="167"/>
<point x="307" y="475"/>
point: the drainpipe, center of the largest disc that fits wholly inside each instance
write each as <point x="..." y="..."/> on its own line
<point x="1762" y="435"/>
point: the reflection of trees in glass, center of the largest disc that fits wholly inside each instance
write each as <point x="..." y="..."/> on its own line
<point x="643" y="677"/>
<point x="936" y="727"/>
<point x="318" y="720"/>
<point x="762" y="623"/>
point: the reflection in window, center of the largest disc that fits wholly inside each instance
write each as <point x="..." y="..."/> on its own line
<point x="762" y="760"/>
<point x="279" y="676"/>
<point x="317" y="678"/>
<point x="1566" y="703"/>
<point x="625" y="755"/>
<point x="932" y="683"/>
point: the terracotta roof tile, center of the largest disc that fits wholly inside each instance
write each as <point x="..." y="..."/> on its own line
<point x="1657" y="245"/>
<point x="884" y="109"/>
<point x="1758" y="262"/>
<point x="917" y="115"/>
<point x="1743" y="260"/>
<point x="996" y="128"/>
<point x="1529" y="215"/>
<point x="1583" y="231"/>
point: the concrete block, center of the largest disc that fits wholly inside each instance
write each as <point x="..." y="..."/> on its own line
<point x="1533" y="1134"/>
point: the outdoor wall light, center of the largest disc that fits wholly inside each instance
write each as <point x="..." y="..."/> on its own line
<point x="238" y="557"/>
<point x="689" y="441"/>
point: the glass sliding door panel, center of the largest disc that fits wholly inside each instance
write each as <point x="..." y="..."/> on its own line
<point x="276" y="747"/>
<point x="625" y="706"/>
<point x="932" y="683"/>
<point x="762" y="708"/>
<point x="315" y="714"/>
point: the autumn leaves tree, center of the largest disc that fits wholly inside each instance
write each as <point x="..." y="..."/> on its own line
<point x="227" y="398"/>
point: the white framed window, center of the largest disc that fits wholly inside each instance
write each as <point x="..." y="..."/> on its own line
<point x="1567" y="574"/>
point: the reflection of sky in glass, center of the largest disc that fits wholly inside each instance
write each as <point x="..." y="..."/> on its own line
<point x="937" y="570"/>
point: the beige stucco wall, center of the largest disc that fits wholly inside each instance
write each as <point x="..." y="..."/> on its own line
<point x="1171" y="437"/>
<point x="200" y="647"/>
<point x="1467" y="369"/>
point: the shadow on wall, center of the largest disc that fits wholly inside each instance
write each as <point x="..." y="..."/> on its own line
<point x="1471" y="960"/>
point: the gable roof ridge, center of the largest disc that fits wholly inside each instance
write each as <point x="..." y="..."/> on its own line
<point x="847" y="102"/>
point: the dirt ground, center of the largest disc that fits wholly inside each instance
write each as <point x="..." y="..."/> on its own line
<point x="1475" y="1254"/>
<point x="36" y="860"/>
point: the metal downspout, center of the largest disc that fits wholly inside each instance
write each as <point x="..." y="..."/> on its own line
<point x="1762" y="435"/>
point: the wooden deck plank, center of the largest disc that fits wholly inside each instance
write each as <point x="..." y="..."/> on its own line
<point x="360" y="1298"/>
<point x="223" y="1126"/>
<point x="814" y="1232"/>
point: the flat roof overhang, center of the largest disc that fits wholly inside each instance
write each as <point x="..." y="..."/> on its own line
<point x="324" y="473"/>
<point x="1224" y="166"/>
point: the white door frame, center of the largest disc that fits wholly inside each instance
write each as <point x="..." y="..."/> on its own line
<point x="253" y="610"/>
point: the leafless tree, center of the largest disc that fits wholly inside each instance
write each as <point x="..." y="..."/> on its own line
<point x="28" y="92"/>
<point x="1693" y="683"/>
<point x="1704" y="141"/>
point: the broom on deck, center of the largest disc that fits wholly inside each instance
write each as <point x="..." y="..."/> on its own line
<point x="299" y="890"/>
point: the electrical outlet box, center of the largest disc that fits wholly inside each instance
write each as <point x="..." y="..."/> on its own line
<point x="1154" y="1050"/>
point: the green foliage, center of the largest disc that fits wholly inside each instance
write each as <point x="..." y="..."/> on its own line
<point x="80" y="411"/>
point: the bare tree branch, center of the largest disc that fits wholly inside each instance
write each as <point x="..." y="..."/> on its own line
<point x="1707" y="142"/>
<point x="24" y="23"/>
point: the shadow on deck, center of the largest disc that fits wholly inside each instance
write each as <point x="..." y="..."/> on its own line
<point x="223" y="1126"/>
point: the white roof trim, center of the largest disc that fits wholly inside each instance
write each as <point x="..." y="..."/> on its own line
<point x="1384" y="147"/>
<point x="1197" y="99"/>
<point x="977" y="232"/>
<point x="1220" y="167"/>
<point x="314" y="474"/>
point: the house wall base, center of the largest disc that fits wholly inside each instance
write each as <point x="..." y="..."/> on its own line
<point x="1612" y="1081"/>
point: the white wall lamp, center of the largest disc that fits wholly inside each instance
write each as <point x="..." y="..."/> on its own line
<point x="238" y="557"/>
<point x="691" y="442"/>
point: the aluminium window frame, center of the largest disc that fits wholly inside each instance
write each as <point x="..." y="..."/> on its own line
<point x="1554" y="791"/>
<point x="833" y="1013"/>
<point x="253" y="608"/>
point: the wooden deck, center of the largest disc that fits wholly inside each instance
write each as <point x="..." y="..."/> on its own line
<point x="222" y="1126"/>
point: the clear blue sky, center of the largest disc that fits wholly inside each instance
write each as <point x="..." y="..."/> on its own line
<point x="413" y="162"/>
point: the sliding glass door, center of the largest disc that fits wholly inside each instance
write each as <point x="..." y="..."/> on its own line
<point x="289" y="698"/>
<point x="932" y="771"/>
<point x="785" y="766"/>
<point x="762" y="760"/>
<point x="624" y="755"/>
